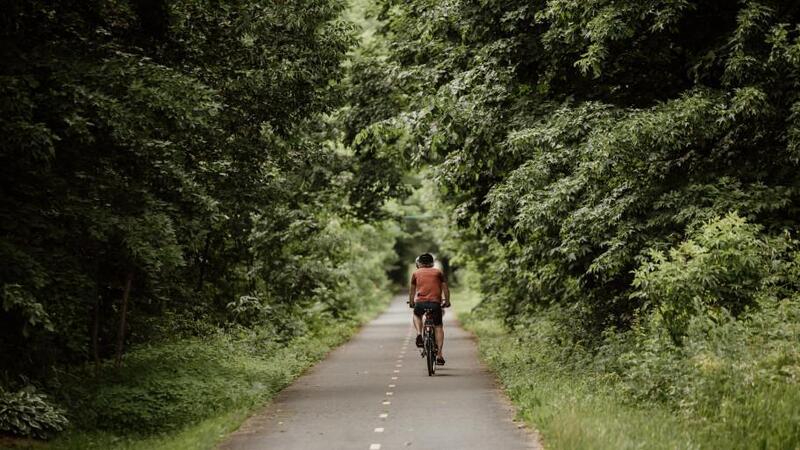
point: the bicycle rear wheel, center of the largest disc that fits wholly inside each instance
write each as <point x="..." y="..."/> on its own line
<point x="430" y="354"/>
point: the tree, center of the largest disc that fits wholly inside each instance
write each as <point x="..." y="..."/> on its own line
<point x="143" y="144"/>
<point x="572" y="138"/>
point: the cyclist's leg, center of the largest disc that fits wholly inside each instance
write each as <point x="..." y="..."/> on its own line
<point x="418" y="311"/>
<point x="417" y="323"/>
<point x="438" y="329"/>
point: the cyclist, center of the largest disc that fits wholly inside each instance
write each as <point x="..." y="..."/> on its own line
<point x="429" y="290"/>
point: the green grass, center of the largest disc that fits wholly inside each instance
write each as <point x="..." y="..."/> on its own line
<point x="590" y="410"/>
<point x="204" y="434"/>
<point x="570" y="412"/>
<point x="190" y="393"/>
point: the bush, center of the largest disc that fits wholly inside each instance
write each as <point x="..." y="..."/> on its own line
<point x="740" y="376"/>
<point x="167" y="386"/>
<point x="28" y="413"/>
<point x="723" y="265"/>
<point x="732" y="384"/>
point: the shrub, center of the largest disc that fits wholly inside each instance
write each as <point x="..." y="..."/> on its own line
<point x="167" y="386"/>
<point x="739" y="375"/>
<point x="30" y="414"/>
<point x="722" y="265"/>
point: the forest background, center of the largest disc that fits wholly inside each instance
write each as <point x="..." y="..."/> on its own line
<point x="617" y="181"/>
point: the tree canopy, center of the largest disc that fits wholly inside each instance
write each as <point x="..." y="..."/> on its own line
<point x="574" y="138"/>
<point x="168" y="157"/>
<point x="173" y="168"/>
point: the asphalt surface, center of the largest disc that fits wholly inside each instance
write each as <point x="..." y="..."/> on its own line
<point x="374" y="393"/>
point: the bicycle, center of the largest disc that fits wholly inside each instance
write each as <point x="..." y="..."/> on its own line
<point x="429" y="349"/>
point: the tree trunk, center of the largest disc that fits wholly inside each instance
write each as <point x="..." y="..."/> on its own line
<point x="122" y="319"/>
<point x="95" y="333"/>
<point x="203" y="263"/>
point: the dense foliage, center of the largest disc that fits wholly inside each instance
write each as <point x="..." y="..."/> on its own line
<point x="29" y="414"/>
<point x="169" y="167"/>
<point x="574" y="138"/>
<point x="624" y="174"/>
<point x="724" y="387"/>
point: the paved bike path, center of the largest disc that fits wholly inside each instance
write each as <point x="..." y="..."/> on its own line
<point x="374" y="393"/>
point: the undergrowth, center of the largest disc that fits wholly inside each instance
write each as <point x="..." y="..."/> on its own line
<point x="732" y="385"/>
<point x="189" y="393"/>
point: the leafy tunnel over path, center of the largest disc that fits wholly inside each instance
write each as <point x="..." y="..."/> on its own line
<point x="620" y="177"/>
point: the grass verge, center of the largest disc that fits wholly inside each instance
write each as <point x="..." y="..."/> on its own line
<point x="190" y="393"/>
<point x="576" y="410"/>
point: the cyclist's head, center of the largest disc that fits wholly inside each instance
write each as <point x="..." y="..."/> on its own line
<point x="424" y="260"/>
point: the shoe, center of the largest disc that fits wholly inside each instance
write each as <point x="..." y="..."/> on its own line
<point x="439" y="361"/>
<point x="419" y="340"/>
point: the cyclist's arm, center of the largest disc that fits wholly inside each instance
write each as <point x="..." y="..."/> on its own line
<point x="412" y="291"/>
<point x="445" y="294"/>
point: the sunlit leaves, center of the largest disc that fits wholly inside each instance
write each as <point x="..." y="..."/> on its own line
<point x="722" y="265"/>
<point x="576" y="136"/>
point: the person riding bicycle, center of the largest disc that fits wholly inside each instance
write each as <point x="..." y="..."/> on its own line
<point x="429" y="290"/>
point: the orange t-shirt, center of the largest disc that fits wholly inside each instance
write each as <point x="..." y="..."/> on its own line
<point x="428" y="284"/>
